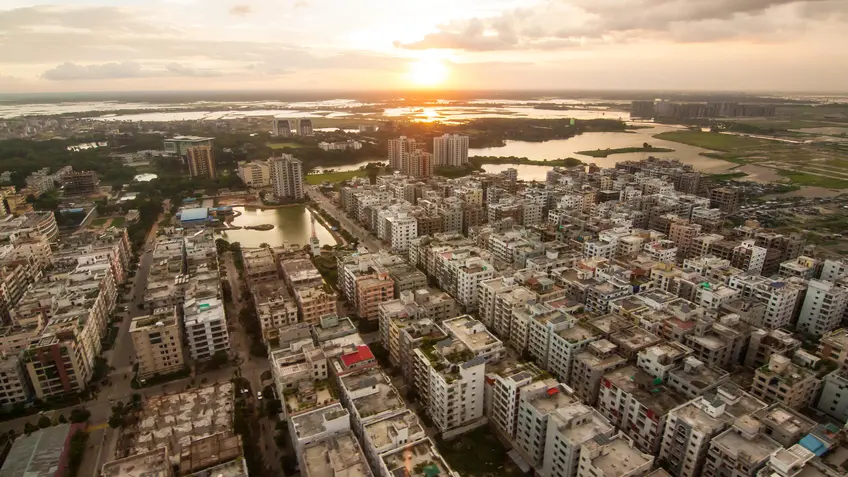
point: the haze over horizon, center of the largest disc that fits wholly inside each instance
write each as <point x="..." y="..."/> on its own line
<point x="311" y="45"/>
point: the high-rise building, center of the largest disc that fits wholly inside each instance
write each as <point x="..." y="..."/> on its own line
<point x="450" y="150"/>
<point x="158" y="343"/>
<point x="397" y="149"/>
<point x="178" y="145"/>
<point x="824" y="306"/>
<point x="284" y="127"/>
<point x="287" y="177"/>
<point x="417" y="163"/>
<point x="304" y="127"/>
<point x="726" y="199"/>
<point x="201" y="161"/>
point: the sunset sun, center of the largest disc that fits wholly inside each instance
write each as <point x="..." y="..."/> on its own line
<point x="428" y="72"/>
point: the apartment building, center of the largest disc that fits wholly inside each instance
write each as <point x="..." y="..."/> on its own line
<point x="564" y="346"/>
<point x="476" y="337"/>
<point x="504" y="388"/>
<point x="824" y="306"/>
<point x="785" y="382"/>
<point x="834" y="346"/>
<point x="590" y="365"/>
<point x="56" y="364"/>
<point x="421" y="454"/>
<point x="764" y="343"/>
<point x="450" y="150"/>
<point x="569" y="428"/>
<point x="539" y="400"/>
<point x="274" y="307"/>
<point x="806" y="268"/>
<point x="740" y="451"/>
<point x="313" y="302"/>
<point x="834" y="269"/>
<point x="613" y="457"/>
<point x="637" y="403"/>
<point x="460" y="274"/>
<point x="158" y="343"/>
<point x="784" y="425"/>
<point x="335" y="455"/>
<point x="691" y="426"/>
<point x="15" y="386"/>
<point x="393" y="432"/>
<point x="783" y="297"/>
<point x="401" y="229"/>
<point x="286" y="177"/>
<point x="255" y="174"/>
<point x="398" y="148"/>
<point x="369" y="396"/>
<point x="831" y="400"/>
<point x="260" y="265"/>
<point x="205" y="328"/>
<point x="450" y="376"/>
<point x="694" y="378"/>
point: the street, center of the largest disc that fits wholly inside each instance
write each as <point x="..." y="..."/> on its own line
<point x="365" y="238"/>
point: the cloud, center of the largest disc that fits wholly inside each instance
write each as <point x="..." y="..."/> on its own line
<point x="183" y="70"/>
<point x="72" y="71"/>
<point x="558" y="24"/>
<point x="240" y="10"/>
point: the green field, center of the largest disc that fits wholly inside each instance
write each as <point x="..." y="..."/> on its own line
<point x="315" y="179"/>
<point x="804" y="179"/>
<point x="622" y="150"/>
<point x="714" y="141"/>
<point x="283" y="145"/>
<point x="118" y="222"/>
<point x="478" y="454"/>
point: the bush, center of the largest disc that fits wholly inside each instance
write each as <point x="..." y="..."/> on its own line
<point x="44" y="422"/>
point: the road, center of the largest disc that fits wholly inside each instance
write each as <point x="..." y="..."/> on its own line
<point x="365" y="238"/>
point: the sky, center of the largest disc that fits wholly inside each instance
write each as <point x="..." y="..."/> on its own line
<point x="150" y="45"/>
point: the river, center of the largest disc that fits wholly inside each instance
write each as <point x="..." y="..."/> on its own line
<point x="563" y="148"/>
<point x="291" y="225"/>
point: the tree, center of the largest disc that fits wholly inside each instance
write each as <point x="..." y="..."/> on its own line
<point x="219" y="359"/>
<point x="62" y="419"/>
<point x="29" y="428"/>
<point x="222" y="246"/>
<point x="44" y="422"/>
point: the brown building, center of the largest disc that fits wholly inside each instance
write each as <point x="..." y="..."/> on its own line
<point x="201" y="161"/>
<point x="80" y="183"/>
<point x="726" y="199"/>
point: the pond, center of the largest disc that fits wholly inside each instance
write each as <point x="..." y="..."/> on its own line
<point x="291" y="225"/>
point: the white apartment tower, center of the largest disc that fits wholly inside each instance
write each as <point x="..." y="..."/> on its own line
<point x="398" y="149"/>
<point x="287" y="177"/>
<point x="450" y="150"/>
<point x="823" y="306"/>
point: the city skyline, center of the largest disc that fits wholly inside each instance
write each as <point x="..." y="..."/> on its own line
<point x="166" y="45"/>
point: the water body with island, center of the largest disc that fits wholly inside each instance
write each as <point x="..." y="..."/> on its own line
<point x="291" y="225"/>
<point x="563" y="148"/>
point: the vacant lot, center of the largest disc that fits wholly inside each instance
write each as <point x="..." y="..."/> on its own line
<point x="315" y="179"/>
<point x="804" y="179"/>
<point x="714" y="141"/>
<point x="478" y="454"/>
<point x="283" y="145"/>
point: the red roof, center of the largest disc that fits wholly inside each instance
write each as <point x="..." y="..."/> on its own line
<point x="363" y="353"/>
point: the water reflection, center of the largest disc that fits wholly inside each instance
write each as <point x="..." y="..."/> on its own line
<point x="291" y="225"/>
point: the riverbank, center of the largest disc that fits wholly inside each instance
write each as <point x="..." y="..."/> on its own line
<point x="622" y="150"/>
<point x="567" y="162"/>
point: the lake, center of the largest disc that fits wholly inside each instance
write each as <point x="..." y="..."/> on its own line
<point x="291" y="225"/>
<point x="563" y="148"/>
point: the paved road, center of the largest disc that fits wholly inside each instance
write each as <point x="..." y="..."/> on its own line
<point x="365" y="238"/>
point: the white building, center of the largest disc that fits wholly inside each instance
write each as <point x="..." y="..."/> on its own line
<point x="255" y="173"/>
<point x="286" y="177"/>
<point x="450" y="150"/>
<point x="833" y="269"/>
<point x="616" y="457"/>
<point x="205" y="327"/>
<point x="317" y="425"/>
<point x="569" y="428"/>
<point x="417" y="455"/>
<point x="538" y="402"/>
<point x="464" y="272"/>
<point x="390" y="433"/>
<point x="782" y="297"/>
<point x="398" y="149"/>
<point x="824" y="306"/>
<point x="402" y="229"/>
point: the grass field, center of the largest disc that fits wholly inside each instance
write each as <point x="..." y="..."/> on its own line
<point x="805" y="179"/>
<point x="99" y="222"/>
<point x="478" y="454"/>
<point x="728" y="176"/>
<point x="282" y="145"/>
<point x="714" y="141"/>
<point x="315" y="179"/>
<point x="621" y="150"/>
<point x="118" y="222"/>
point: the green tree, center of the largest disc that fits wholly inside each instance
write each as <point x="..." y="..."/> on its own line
<point x="44" y="422"/>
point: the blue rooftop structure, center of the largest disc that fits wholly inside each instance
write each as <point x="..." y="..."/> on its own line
<point x="814" y="445"/>
<point x="193" y="215"/>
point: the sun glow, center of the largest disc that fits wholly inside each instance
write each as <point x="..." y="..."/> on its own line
<point x="428" y="72"/>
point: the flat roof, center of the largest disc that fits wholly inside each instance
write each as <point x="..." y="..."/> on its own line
<point x="196" y="213"/>
<point x="383" y="431"/>
<point x="311" y="423"/>
<point x="39" y="454"/>
<point x="418" y="459"/>
<point x="619" y="457"/>
<point x="338" y="456"/>
<point x="154" y="463"/>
